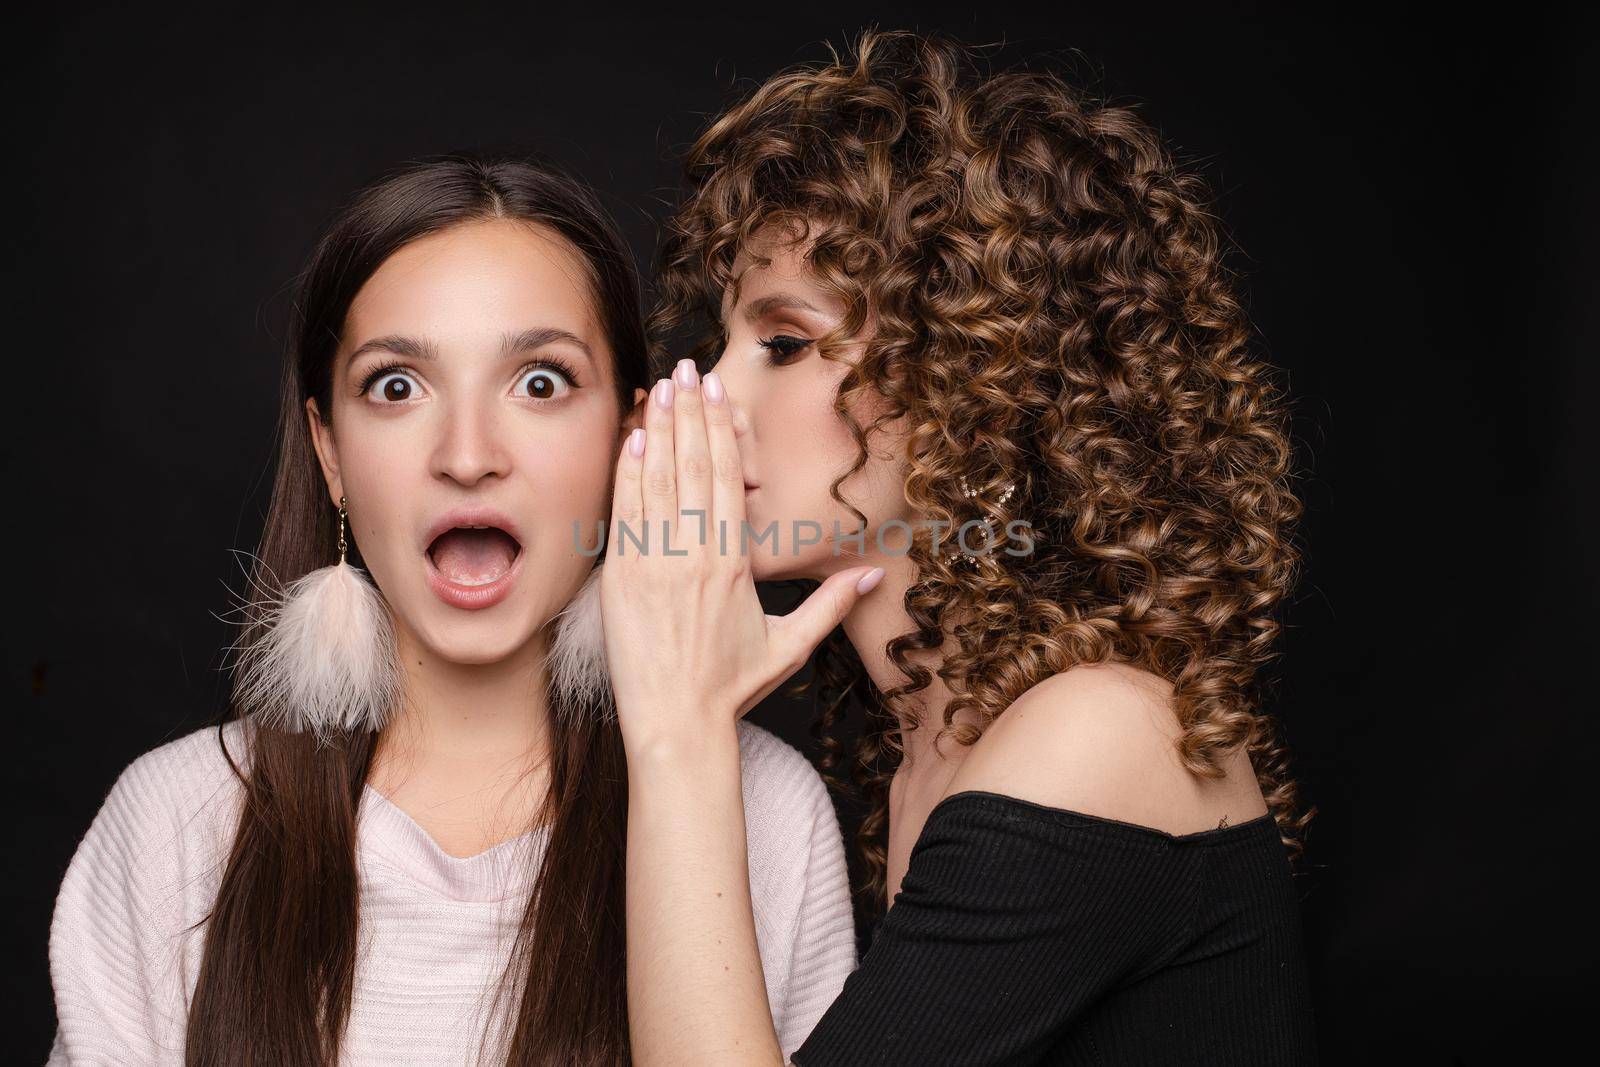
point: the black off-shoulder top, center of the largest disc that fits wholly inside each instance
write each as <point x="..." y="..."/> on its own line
<point x="1025" y="934"/>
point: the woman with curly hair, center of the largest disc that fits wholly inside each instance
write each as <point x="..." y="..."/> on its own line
<point x="942" y="304"/>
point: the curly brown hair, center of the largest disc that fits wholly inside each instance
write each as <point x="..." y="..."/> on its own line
<point x="1052" y="309"/>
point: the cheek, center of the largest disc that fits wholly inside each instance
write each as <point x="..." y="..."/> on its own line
<point x="382" y="475"/>
<point x="570" y="483"/>
<point x="375" y="451"/>
<point x="821" y="448"/>
<point x="806" y="442"/>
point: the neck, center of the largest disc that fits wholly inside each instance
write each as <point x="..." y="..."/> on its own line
<point x="881" y="617"/>
<point x="478" y="726"/>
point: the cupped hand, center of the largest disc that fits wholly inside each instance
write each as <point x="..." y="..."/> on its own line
<point x="687" y="641"/>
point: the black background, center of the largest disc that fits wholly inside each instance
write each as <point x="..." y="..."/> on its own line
<point x="1414" y="201"/>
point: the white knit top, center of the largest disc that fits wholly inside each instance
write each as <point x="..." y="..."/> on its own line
<point x="435" y="929"/>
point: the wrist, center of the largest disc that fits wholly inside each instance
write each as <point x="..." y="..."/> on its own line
<point x="668" y="740"/>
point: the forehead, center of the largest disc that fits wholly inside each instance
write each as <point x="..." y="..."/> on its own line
<point x="789" y="270"/>
<point x="784" y="248"/>
<point x="479" y="276"/>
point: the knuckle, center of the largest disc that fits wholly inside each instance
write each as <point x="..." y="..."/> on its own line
<point x="660" y="483"/>
<point x="694" y="466"/>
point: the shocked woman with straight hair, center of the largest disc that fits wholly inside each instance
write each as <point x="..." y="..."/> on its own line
<point x="403" y="843"/>
<point x="969" y="358"/>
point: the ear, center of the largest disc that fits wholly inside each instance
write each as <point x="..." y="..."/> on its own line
<point x="634" y="418"/>
<point x="327" y="452"/>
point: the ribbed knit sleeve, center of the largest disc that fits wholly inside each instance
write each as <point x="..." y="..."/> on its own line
<point x="799" y="885"/>
<point x="117" y="987"/>
<point x="824" y="948"/>
<point x="1024" y="934"/>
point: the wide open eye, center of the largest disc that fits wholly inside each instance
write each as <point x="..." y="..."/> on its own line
<point x="546" y="381"/>
<point x="394" y="384"/>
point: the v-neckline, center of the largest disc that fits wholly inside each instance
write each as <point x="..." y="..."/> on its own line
<point x="500" y="871"/>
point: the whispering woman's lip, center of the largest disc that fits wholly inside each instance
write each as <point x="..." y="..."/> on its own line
<point x="473" y="597"/>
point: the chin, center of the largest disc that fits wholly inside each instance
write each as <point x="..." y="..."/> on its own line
<point x="473" y="646"/>
<point x="474" y="638"/>
<point x="786" y="568"/>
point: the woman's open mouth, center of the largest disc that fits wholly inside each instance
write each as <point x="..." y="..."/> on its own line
<point x="473" y="565"/>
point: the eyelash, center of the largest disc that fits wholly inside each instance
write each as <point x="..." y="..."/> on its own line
<point x="782" y="349"/>
<point x="546" y="363"/>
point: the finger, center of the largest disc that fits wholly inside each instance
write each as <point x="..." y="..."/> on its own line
<point x="727" y="469"/>
<point x="803" y="629"/>
<point x="660" y="477"/>
<point x="627" y="505"/>
<point x="693" y="461"/>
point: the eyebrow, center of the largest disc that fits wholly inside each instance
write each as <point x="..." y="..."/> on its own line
<point x="423" y="350"/>
<point x="540" y="336"/>
<point x="766" y="305"/>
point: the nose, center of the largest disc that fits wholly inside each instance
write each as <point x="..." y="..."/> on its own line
<point x="471" y="445"/>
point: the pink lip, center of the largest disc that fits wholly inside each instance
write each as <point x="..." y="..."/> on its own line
<point x="472" y="597"/>
<point x="470" y="516"/>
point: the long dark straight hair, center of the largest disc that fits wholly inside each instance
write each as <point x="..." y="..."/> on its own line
<point x="277" y="976"/>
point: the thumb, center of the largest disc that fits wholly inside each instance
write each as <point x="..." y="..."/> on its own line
<point x="804" y="628"/>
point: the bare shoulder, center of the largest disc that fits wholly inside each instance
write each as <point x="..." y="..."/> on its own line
<point x="1101" y="740"/>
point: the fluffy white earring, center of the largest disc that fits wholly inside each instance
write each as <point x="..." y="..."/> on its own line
<point x="580" y="680"/>
<point x="326" y="660"/>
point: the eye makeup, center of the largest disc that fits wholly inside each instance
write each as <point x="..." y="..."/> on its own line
<point x="783" y="349"/>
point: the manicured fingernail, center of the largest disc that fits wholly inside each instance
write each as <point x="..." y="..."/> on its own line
<point x="713" y="389"/>
<point x="664" y="395"/>
<point x="636" y="443"/>
<point x="870" y="580"/>
<point x="686" y="375"/>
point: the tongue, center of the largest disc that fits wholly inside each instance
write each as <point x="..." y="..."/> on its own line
<point x="473" y="557"/>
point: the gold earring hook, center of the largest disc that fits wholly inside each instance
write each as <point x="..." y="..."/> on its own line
<point x="343" y="511"/>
